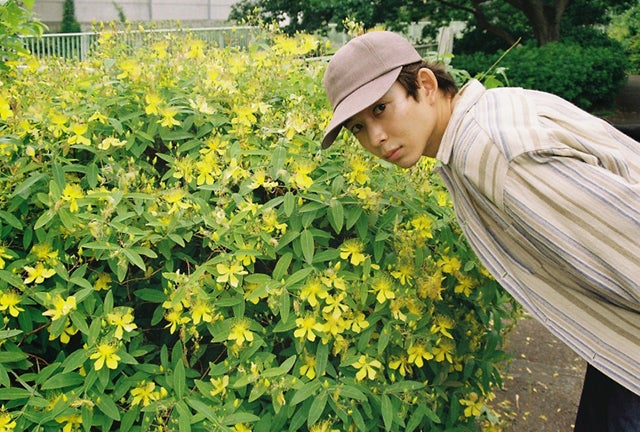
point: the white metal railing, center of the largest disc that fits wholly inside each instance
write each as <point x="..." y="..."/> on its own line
<point x="78" y="45"/>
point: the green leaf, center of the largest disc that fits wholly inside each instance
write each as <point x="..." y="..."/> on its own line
<point x="12" y="356"/>
<point x="12" y="279"/>
<point x="322" y="357"/>
<point x="289" y="204"/>
<point x="134" y="258"/>
<point x="179" y="379"/>
<point x="308" y="246"/>
<point x="150" y="295"/>
<point x="285" y="305"/>
<point x="26" y="187"/>
<point x="62" y="380"/>
<point x="317" y="408"/>
<point x="107" y="406"/>
<point x="239" y="417"/>
<point x="387" y="411"/>
<point x="44" y="219"/>
<point x="306" y="391"/>
<point x="13" y="393"/>
<point x="11" y="219"/>
<point x="282" y="266"/>
<point x="336" y="215"/>
<point x="184" y="417"/>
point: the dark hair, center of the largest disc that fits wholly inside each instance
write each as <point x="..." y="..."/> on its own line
<point x="408" y="78"/>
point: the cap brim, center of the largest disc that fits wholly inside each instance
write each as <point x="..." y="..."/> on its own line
<point x="356" y="102"/>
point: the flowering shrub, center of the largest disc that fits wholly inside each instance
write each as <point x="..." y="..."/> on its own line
<point x="178" y="254"/>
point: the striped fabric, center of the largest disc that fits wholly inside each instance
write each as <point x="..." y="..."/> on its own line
<point x="549" y="198"/>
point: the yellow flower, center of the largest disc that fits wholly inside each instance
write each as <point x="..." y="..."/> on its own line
<point x="418" y="353"/>
<point x="105" y="355"/>
<point x="196" y="49"/>
<point x="122" y="319"/>
<point x="65" y="337"/>
<point x="38" y="273"/>
<point x="300" y="178"/>
<point x="5" y="108"/>
<point x="312" y="291"/>
<point x="145" y="393"/>
<point x="442" y="324"/>
<point x="78" y="130"/>
<point x="334" y="304"/>
<point x="153" y="102"/>
<point x="359" y="322"/>
<point x="240" y="333"/>
<point x="270" y="222"/>
<point x="359" y="172"/>
<point x="3" y="254"/>
<point x="102" y="282"/>
<point x="168" y="113"/>
<point x="109" y="142"/>
<point x="200" y="104"/>
<point x="58" y="123"/>
<point x="449" y="264"/>
<point x="401" y="364"/>
<point x="308" y="369"/>
<point x="444" y="351"/>
<point x="72" y="422"/>
<point x="175" y="319"/>
<point x="244" y="116"/>
<point x="306" y="326"/>
<point x="71" y="193"/>
<point x="404" y="273"/>
<point x="422" y="224"/>
<point x="6" y="422"/>
<point x="61" y="307"/>
<point x="44" y="252"/>
<point x="334" y="323"/>
<point x="101" y="118"/>
<point x="323" y="426"/>
<point x="10" y="300"/>
<point x="382" y="286"/>
<point x="464" y="286"/>
<point x="366" y="368"/>
<point x="219" y="386"/>
<point x="353" y="248"/>
<point x="473" y="404"/>
<point x="202" y="311"/>
<point x="241" y="427"/>
<point x="228" y="273"/>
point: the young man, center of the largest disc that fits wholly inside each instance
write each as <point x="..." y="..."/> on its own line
<point x="547" y="195"/>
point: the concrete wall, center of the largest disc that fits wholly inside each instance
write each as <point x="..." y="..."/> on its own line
<point x="88" y="11"/>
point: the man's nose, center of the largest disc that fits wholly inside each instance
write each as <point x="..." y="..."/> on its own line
<point x="378" y="135"/>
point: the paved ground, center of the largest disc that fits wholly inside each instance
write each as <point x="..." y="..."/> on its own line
<point x="543" y="382"/>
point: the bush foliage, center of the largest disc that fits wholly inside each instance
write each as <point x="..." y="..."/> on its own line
<point x="178" y="254"/>
<point x="589" y="76"/>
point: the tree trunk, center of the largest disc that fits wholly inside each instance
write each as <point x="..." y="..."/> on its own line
<point x="544" y="17"/>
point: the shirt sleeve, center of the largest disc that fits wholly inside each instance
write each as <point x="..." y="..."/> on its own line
<point x="581" y="218"/>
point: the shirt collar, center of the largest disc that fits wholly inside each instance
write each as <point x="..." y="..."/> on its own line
<point x="468" y="96"/>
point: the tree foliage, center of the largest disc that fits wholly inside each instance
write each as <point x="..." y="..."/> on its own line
<point x="15" y="20"/>
<point x="506" y="20"/>
<point x="69" y="22"/>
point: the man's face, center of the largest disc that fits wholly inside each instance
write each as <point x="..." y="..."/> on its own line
<point x="397" y="127"/>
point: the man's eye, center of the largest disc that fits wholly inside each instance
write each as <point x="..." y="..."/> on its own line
<point x="379" y="108"/>
<point x="355" y="128"/>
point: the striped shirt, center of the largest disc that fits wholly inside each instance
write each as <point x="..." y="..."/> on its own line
<point x="548" y="196"/>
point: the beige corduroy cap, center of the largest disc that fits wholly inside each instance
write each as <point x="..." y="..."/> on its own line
<point x="361" y="72"/>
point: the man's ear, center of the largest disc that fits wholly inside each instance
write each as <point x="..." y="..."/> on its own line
<point x="428" y="84"/>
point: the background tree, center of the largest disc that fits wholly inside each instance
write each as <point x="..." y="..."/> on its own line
<point x="502" y="20"/>
<point x="69" y="22"/>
